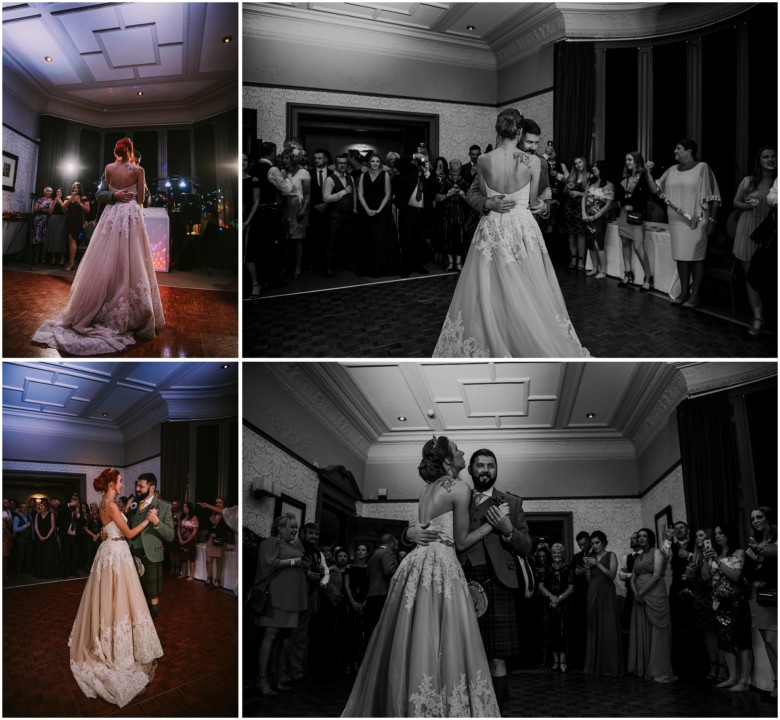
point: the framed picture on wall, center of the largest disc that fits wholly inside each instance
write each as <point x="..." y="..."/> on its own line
<point x="10" y="163"/>
<point x="285" y="504"/>
<point x="663" y="520"/>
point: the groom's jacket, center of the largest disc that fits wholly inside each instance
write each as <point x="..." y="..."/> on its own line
<point x="501" y="552"/>
<point x="151" y="538"/>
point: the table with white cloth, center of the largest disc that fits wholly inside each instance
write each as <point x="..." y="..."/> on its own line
<point x="14" y="234"/>
<point x="658" y="246"/>
<point x="158" y="228"/>
<point x="229" y="575"/>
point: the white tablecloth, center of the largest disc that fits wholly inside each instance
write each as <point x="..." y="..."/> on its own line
<point x="158" y="227"/>
<point x="229" y="577"/>
<point x="14" y="235"/>
<point x="658" y="246"/>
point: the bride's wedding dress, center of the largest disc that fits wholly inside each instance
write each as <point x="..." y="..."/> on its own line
<point x="508" y="302"/>
<point x="426" y="656"/>
<point x="114" y="293"/>
<point x="113" y="644"/>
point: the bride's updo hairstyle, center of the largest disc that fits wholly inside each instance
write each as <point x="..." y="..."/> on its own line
<point x="509" y="123"/>
<point x="101" y="482"/>
<point x="123" y="150"/>
<point x="434" y="453"/>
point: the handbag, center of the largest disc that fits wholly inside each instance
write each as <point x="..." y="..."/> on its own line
<point x="259" y="599"/>
<point x="635" y="218"/>
<point x="766" y="231"/>
<point x="767" y="597"/>
<point x="478" y="597"/>
<point x="218" y="541"/>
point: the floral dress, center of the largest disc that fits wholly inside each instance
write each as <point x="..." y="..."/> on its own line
<point x="41" y="220"/>
<point x="597" y="198"/>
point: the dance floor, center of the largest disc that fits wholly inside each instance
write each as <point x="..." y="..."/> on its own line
<point x="542" y="694"/>
<point x="403" y="318"/>
<point x="199" y="323"/>
<point x="196" y="677"/>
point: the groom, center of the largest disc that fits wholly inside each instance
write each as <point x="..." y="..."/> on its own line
<point x="492" y="562"/>
<point x="148" y="544"/>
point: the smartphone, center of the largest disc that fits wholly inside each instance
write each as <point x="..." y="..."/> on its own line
<point x="708" y="544"/>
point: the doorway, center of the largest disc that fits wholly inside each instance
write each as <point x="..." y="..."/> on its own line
<point x="552" y="527"/>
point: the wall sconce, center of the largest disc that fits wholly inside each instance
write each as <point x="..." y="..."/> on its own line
<point x="381" y="494"/>
<point x="261" y="488"/>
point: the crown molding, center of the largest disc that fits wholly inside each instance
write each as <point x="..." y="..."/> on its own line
<point x="40" y="425"/>
<point x="203" y="405"/>
<point x="706" y="377"/>
<point x="309" y="27"/>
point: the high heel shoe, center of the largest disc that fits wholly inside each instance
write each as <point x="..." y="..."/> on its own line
<point x="647" y="284"/>
<point x="564" y="667"/>
<point x="265" y="689"/>
<point x="756" y="328"/>
<point x="628" y="279"/>
<point x="256" y="291"/>
<point x="713" y="674"/>
<point x="68" y="268"/>
<point x="556" y="666"/>
<point x="580" y="263"/>
<point x="573" y="263"/>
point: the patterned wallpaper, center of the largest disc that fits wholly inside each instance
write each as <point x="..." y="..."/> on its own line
<point x="669" y="491"/>
<point x="263" y="459"/>
<point x="539" y="109"/>
<point x="152" y="465"/>
<point x="27" y="167"/>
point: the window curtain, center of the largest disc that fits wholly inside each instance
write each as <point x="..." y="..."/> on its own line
<point x="54" y="133"/>
<point x="709" y="461"/>
<point x="174" y="461"/>
<point x="574" y="100"/>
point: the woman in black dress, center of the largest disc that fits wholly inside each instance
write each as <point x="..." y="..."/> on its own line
<point x="556" y="587"/>
<point x="380" y="252"/>
<point x="75" y="207"/>
<point x="573" y="191"/>
<point x="47" y="553"/>
<point x="56" y="241"/>
<point x="356" y="590"/>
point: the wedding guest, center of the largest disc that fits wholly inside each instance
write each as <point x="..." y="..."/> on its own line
<point x="650" y="642"/>
<point x="578" y="610"/>
<point x="335" y="618"/>
<point x="597" y="202"/>
<point x="555" y="588"/>
<point x="279" y="567"/>
<point x="724" y="566"/>
<point x="56" y="240"/>
<point x="625" y="575"/>
<point x="380" y="249"/>
<point x="633" y="194"/>
<point x="75" y="206"/>
<point x="762" y="554"/>
<point x="23" y="534"/>
<point x="575" y="225"/>
<point x="174" y="553"/>
<point x="317" y="234"/>
<point x="381" y="566"/>
<point x="469" y="170"/>
<point x="47" y="554"/>
<point x="603" y="640"/>
<point x="41" y="210"/>
<point x="187" y="534"/>
<point x="218" y="532"/>
<point x="251" y="224"/>
<point x="296" y="214"/>
<point x="762" y="275"/>
<point x="356" y="590"/>
<point x="413" y="194"/>
<point x="454" y="212"/>
<point x="339" y="192"/>
<point x="92" y="528"/>
<point x="751" y="199"/>
<point x="441" y="177"/>
<point x="690" y="190"/>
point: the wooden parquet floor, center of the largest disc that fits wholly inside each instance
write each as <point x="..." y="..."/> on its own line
<point x="198" y="323"/>
<point x="196" y="677"/>
<point x="404" y="318"/>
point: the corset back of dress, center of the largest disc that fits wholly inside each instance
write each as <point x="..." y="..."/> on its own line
<point x="519" y="196"/>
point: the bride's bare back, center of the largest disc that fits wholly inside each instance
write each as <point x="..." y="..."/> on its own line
<point x="507" y="170"/>
<point x="125" y="175"/>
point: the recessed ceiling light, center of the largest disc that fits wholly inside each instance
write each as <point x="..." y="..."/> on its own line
<point x="226" y="366"/>
<point x="104" y="414"/>
<point x="139" y="93"/>
<point x="48" y="58"/>
<point x="402" y="418"/>
<point x="227" y="39"/>
<point x="471" y="27"/>
<point x="590" y="416"/>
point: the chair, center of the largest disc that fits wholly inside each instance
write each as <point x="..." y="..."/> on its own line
<point x="720" y="264"/>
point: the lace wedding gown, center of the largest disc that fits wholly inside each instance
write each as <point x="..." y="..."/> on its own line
<point x="508" y="302"/>
<point x="115" y="291"/>
<point x="426" y="656"/>
<point x="113" y="644"/>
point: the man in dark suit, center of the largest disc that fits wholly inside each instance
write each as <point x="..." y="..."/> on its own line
<point x="492" y="562"/>
<point x="469" y="170"/>
<point x="317" y="234"/>
<point x="381" y="566"/>
<point x="414" y="189"/>
<point x="340" y="193"/>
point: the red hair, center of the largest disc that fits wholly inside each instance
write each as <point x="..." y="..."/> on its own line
<point x="124" y="149"/>
<point x="101" y="482"/>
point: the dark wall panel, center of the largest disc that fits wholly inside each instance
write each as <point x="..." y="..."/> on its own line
<point x="621" y="94"/>
<point x="669" y="102"/>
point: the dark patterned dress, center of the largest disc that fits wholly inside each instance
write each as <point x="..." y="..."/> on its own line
<point x="556" y="619"/>
<point x="41" y="220"/>
<point x="572" y="209"/>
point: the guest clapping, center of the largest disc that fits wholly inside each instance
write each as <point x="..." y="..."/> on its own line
<point x="556" y="587"/>
<point x="215" y="545"/>
<point x="75" y="207"/>
<point x="187" y="534"/>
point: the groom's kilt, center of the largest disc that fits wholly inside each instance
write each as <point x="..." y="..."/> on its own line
<point x="498" y="625"/>
<point x="152" y="579"/>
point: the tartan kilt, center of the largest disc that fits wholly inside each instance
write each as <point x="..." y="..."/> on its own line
<point x="152" y="579"/>
<point x="498" y="626"/>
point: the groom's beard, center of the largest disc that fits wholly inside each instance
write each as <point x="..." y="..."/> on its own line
<point x="147" y="497"/>
<point x="483" y="482"/>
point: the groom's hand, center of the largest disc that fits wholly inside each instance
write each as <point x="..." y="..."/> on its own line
<point x="499" y="520"/>
<point x="123" y="196"/>
<point x="153" y="517"/>
<point x="499" y="203"/>
<point x="103" y="534"/>
<point x="421" y="534"/>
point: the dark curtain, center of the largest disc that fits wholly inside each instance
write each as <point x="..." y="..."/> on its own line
<point x="709" y="461"/>
<point x="575" y="82"/>
<point x="54" y="132"/>
<point x="174" y="461"/>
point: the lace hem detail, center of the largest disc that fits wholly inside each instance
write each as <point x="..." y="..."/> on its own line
<point x="473" y="699"/>
<point x="451" y="342"/>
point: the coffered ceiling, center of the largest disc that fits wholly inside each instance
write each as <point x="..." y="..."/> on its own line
<point x="114" y="400"/>
<point x="71" y="58"/>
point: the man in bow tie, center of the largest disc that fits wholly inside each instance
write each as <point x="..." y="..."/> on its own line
<point x="148" y="545"/>
<point x="492" y="562"/>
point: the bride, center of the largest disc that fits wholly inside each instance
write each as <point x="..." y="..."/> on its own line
<point x="425" y="657"/>
<point x="113" y="644"/>
<point x="508" y="302"/>
<point x="115" y="291"/>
